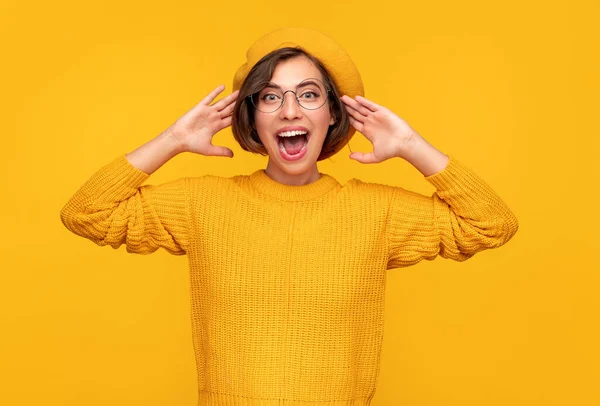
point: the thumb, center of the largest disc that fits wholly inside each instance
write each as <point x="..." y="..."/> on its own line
<point x="368" y="158"/>
<point x="214" y="150"/>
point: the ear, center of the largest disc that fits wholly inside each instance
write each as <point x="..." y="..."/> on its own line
<point x="332" y="120"/>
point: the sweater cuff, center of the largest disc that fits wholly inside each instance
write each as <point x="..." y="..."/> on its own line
<point x="116" y="180"/>
<point x="453" y="174"/>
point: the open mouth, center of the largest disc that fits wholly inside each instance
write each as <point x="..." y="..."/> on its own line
<point x="293" y="142"/>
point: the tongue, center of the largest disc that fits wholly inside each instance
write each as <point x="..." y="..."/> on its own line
<point x="294" y="144"/>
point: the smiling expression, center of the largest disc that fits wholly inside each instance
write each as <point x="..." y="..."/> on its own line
<point x="287" y="75"/>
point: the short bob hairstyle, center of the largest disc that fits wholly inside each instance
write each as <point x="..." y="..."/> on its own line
<point x="242" y="123"/>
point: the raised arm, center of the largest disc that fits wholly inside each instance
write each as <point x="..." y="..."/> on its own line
<point x="113" y="208"/>
<point x="463" y="217"/>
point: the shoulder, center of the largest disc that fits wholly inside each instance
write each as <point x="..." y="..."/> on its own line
<point x="218" y="185"/>
<point x="363" y="188"/>
<point x="368" y="187"/>
<point x="382" y="192"/>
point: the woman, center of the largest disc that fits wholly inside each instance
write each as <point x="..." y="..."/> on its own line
<point x="287" y="266"/>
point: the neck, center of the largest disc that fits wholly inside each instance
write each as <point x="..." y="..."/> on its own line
<point x="300" y="179"/>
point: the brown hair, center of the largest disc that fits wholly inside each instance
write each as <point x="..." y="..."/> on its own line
<point x="242" y="123"/>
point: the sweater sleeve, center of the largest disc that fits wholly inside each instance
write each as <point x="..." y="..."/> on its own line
<point x="112" y="208"/>
<point x="464" y="216"/>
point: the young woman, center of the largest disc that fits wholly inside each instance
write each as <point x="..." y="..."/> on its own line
<point x="287" y="266"/>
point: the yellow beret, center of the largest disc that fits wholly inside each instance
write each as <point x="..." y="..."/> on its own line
<point x="332" y="56"/>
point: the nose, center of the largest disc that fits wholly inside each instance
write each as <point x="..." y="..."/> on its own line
<point x="291" y="109"/>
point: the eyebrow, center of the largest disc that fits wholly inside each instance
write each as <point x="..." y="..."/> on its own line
<point x="272" y="85"/>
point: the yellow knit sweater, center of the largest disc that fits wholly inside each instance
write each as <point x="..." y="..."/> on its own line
<point x="287" y="282"/>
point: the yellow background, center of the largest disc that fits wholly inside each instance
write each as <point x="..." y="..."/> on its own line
<point x="509" y="88"/>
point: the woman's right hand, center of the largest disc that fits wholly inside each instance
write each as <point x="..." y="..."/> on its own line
<point x="195" y="129"/>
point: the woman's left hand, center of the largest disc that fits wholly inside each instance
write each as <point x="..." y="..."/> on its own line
<point x="390" y="135"/>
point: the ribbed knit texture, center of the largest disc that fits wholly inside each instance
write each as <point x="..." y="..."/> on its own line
<point x="288" y="282"/>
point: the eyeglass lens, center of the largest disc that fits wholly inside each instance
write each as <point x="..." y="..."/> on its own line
<point x="311" y="94"/>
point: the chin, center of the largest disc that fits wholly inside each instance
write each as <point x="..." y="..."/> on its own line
<point x="296" y="168"/>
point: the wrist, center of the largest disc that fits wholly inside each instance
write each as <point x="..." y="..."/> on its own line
<point x="411" y="147"/>
<point x="425" y="157"/>
<point x="173" y="143"/>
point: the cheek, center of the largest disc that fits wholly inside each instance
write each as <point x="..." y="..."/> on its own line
<point x="261" y="127"/>
<point x="322" y="121"/>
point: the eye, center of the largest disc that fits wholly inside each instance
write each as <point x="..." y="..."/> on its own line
<point x="311" y="93"/>
<point x="270" y="97"/>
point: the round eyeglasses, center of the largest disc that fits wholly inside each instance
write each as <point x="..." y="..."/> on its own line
<point x="310" y="94"/>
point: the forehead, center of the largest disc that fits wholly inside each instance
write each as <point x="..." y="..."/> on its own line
<point x="289" y="73"/>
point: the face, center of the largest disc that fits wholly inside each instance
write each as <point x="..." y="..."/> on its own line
<point x="287" y="75"/>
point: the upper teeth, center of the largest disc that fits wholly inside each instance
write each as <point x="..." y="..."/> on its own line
<point x="291" y="133"/>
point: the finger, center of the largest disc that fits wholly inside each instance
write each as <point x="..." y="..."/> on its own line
<point x="356" y="124"/>
<point x="226" y="101"/>
<point x="355" y="114"/>
<point x="227" y="110"/>
<point x="368" y="158"/>
<point x="211" y="96"/>
<point x="351" y="103"/>
<point x="368" y="103"/>
<point x="215" y="150"/>
<point x="226" y="122"/>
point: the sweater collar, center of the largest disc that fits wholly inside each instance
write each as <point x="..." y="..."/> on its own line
<point x="264" y="184"/>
